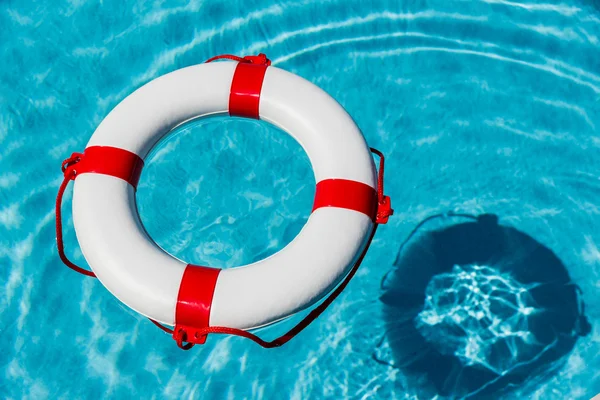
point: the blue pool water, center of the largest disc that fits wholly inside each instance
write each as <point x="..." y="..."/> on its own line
<point x="486" y="106"/>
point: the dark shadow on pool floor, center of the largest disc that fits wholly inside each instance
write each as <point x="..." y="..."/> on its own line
<point x="475" y="309"/>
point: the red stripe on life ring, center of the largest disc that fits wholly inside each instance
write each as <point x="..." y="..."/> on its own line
<point x="343" y="193"/>
<point x="194" y="300"/>
<point x="244" y="96"/>
<point x="111" y="161"/>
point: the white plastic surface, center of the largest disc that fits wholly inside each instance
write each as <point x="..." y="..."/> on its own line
<point x="114" y="243"/>
<point x="329" y="136"/>
<point x="138" y="122"/>
<point x="146" y="278"/>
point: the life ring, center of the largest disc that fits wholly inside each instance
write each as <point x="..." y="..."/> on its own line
<point x="154" y="283"/>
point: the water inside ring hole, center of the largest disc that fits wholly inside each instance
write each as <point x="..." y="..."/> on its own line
<point x="225" y="192"/>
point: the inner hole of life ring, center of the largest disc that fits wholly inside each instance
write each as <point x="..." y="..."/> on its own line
<point x="224" y="192"/>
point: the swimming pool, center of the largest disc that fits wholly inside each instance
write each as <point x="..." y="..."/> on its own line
<point x="480" y="107"/>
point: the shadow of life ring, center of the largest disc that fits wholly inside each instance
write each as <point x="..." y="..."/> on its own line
<point x="474" y="308"/>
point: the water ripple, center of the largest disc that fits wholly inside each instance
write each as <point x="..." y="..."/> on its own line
<point x="562" y="9"/>
<point x="371" y="38"/>
<point x="354" y="21"/>
<point x="562" y="105"/>
<point x="542" y="67"/>
<point x="566" y="34"/>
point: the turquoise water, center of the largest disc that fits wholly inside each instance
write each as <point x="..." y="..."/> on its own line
<point x="480" y="106"/>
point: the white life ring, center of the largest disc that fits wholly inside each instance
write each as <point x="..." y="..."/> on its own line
<point x="150" y="281"/>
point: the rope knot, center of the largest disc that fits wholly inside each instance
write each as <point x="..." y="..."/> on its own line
<point x="384" y="203"/>
<point x="384" y="210"/>
<point x="187" y="337"/>
<point x="68" y="165"/>
<point x="260" y="59"/>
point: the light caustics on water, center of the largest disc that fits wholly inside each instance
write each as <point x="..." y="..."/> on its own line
<point x="479" y="315"/>
<point x="491" y="307"/>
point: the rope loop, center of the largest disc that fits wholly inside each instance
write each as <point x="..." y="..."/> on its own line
<point x="69" y="172"/>
<point x="260" y="59"/>
<point x="68" y="164"/>
<point x="181" y="337"/>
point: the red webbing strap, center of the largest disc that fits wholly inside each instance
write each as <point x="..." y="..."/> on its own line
<point x="194" y="300"/>
<point x="104" y="160"/>
<point x="343" y="193"/>
<point x="244" y="94"/>
<point x="384" y="211"/>
<point x="111" y="161"/>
